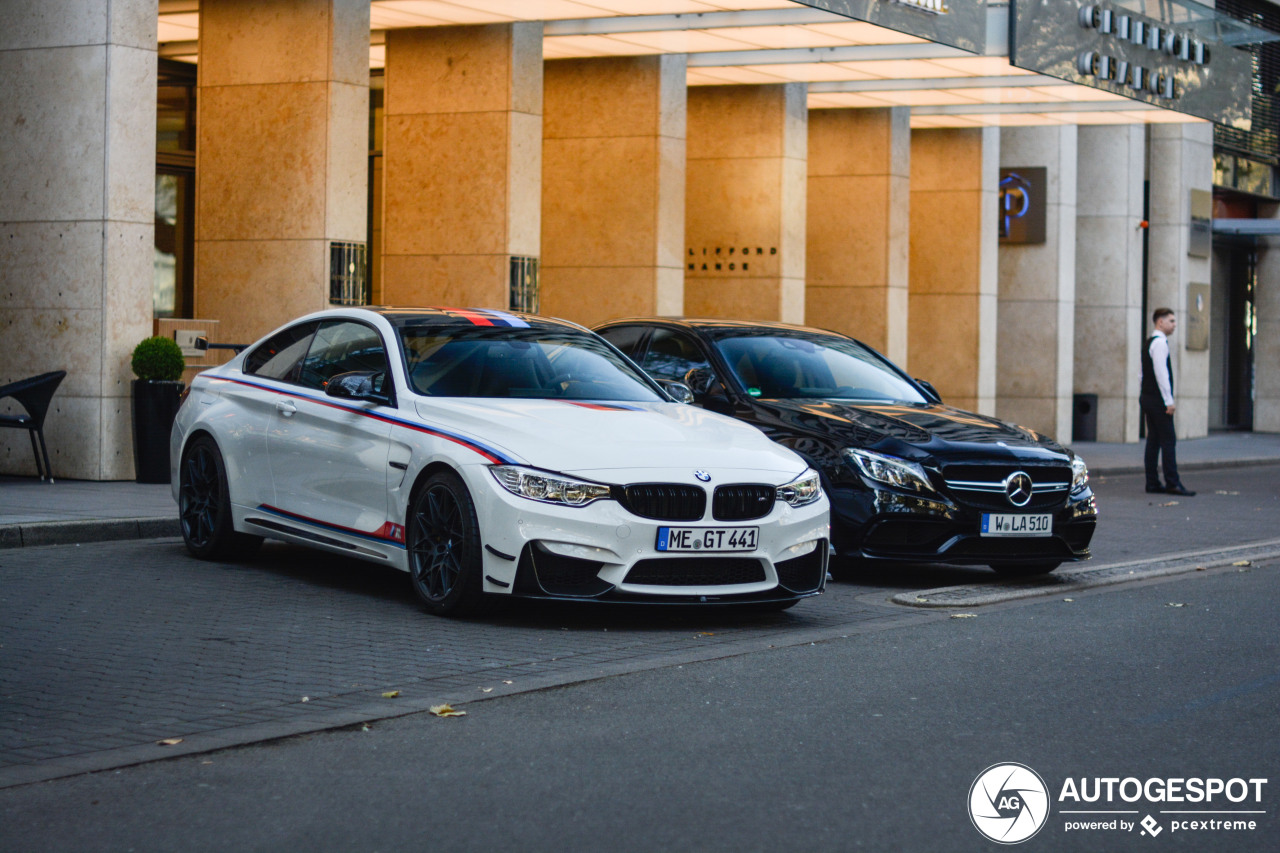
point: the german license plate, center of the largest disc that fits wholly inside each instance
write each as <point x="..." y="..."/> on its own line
<point x="708" y="538"/>
<point x="1016" y="524"/>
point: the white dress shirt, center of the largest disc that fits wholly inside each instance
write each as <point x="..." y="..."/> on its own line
<point x="1159" y="350"/>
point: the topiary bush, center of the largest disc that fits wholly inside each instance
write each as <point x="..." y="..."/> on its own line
<point x="158" y="358"/>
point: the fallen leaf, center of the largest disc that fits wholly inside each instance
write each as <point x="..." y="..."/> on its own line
<point x="508" y="682"/>
<point x="1200" y="568"/>
<point x="1243" y="563"/>
<point x="306" y="698"/>
<point x="169" y="741"/>
<point x="963" y="615"/>
<point x="1068" y="599"/>
<point x="1170" y="503"/>
<point x="704" y="634"/>
<point x="391" y="694"/>
<point x="486" y="689"/>
<point x="364" y="727"/>
<point x="446" y="711"/>
<point x="919" y="598"/>
<point x="1174" y="604"/>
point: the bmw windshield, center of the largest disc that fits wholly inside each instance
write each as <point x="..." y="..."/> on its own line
<point x="813" y="367"/>
<point x="533" y="363"/>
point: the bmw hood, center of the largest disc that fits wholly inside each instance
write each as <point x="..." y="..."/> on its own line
<point x="913" y="430"/>
<point x="601" y="439"/>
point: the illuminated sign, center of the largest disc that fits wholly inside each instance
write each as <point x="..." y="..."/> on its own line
<point x="1106" y="46"/>
<point x="1022" y="205"/>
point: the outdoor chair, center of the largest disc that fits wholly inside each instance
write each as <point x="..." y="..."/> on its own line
<point x="33" y="395"/>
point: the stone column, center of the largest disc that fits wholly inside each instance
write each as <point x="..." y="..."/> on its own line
<point x="1035" y="317"/>
<point x="1179" y="160"/>
<point x="1266" y="343"/>
<point x="613" y="172"/>
<point x="857" y="229"/>
<point x="281" y="156"/>
<point x="952" y="305"/>
<point x="745" y="202"/>
<point x="77" y="221"/>
<point x="462" y="162"/>
<point x="1108" y="313"/>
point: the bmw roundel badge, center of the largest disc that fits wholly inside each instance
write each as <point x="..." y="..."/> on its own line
<point x="703" y="476"/>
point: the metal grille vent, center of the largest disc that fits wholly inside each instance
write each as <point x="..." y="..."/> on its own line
<point x="348" y="274"/>
<point x="665" y="501"/>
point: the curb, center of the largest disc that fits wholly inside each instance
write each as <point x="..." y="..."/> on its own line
<point x="977" y="595"/>
<point x="1206" y="465"/>
<point x="38" y="533"/>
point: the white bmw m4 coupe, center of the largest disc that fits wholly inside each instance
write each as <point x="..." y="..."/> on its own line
<point x="487" y="454"/>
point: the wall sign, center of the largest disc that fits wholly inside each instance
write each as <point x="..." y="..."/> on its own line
<point x="1197" y="317"/>
<point x="1021" y="205"/>
<point x="730" y="259"/>
<point x="1107" y="46"/>
<point x="959" y="23"/>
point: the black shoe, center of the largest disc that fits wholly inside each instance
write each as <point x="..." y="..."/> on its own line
<point x="1180" y="490"/>
<point x="1156" y="489"/>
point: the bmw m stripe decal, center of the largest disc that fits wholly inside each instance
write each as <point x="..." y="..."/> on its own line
<point x="471" y="444"/>
<point x="488" y="318"/>
<point x="603" y="407"/>
<point x="389" y="534"/>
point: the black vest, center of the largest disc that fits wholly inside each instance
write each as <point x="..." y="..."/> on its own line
<point x="1150" y="388"/>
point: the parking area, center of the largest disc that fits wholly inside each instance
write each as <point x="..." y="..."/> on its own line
<point x="108" y="649"/>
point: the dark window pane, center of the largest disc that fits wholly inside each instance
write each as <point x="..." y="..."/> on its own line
<point x="625" y="338"/>
<point x="671" y="355"/>
<point x="279" y="356"/>
<point x="342" y="347"/>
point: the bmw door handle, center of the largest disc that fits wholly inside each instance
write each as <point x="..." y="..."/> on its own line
<point x="286" y="408"/>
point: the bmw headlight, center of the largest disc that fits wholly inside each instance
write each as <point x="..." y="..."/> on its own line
<point x="547" y="487"/>
<point x="805" y="489"/>
<point x="890" y="470"/>
<point x="1079" y="475"/>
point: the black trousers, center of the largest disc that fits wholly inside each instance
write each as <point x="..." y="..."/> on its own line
<point x="1162" y="442"/>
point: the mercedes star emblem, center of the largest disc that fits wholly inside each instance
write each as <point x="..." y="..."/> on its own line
<point x="1017" y="488"/>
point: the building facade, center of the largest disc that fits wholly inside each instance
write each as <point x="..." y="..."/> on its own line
<point x="995" y="195"/>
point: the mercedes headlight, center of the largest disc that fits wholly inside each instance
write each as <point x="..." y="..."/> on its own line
<point x="547" y="487"/>
<point x="1079" y="475"/>
<point x="890" y="470"/>
<point x="805" y="489"/>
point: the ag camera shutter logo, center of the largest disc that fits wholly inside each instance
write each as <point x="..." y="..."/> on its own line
<point x="1008" y="803"/>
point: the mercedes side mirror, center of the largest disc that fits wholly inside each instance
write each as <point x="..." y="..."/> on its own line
<point x="929" y="390"/>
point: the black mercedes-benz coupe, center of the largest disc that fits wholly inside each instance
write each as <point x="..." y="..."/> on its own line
<point x="909" y="478"/>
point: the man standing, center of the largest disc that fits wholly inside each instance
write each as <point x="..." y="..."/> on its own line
<point x="1156" y="399"/>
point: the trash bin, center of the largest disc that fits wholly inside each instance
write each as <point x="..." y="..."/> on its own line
<point x="1084" y="417"/>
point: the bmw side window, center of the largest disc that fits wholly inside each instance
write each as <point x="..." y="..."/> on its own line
<point x="279" y="356"/>
<point x="342" y="346"/>
<point x="671" y="355"/>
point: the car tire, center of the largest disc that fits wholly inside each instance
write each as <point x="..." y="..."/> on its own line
<point x="204" y="505"/>
<point x="443" y="537"/>
<point x="1026" y="570"/>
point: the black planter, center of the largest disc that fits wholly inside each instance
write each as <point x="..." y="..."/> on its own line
<point x="155" y="405"/>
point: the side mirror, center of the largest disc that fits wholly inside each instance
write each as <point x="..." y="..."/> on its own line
<point x="930" y="391"/>
<point x="677" y="390"/>
<point x="359" y="385"/>
<point x="708" y="391"/>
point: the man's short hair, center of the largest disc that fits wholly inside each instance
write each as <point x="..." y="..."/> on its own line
<point x="1160" y="312"/>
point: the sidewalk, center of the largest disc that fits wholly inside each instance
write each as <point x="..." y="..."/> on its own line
<point x="71" y="511"/>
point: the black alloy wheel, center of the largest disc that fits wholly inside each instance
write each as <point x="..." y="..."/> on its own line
<point x="204" y="505"/>
<point x="444" y="547"/>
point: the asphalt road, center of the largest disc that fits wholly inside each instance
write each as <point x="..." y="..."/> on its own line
<point x="869" y="741"/>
